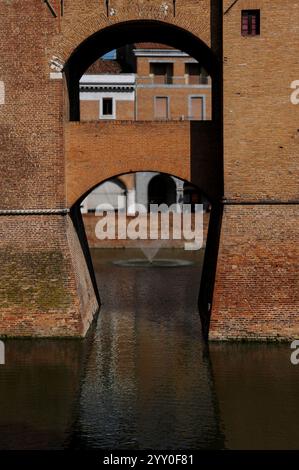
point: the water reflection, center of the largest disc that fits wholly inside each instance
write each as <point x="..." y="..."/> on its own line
<point x="144" y="378"/>
<point x="148" y="377"/>
<point x="39" y="386"/>
<point x="257" y="389"/>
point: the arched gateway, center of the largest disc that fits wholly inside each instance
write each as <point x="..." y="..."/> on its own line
<point x="48" y="158"/>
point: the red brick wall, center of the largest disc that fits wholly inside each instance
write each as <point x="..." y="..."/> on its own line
<point x="260" y="161"/>
<point x="256" y="292"/>
<point x="31" y="156"/>
<point x="143" y="68"/>
<point x="261" y="137"/>
<point x="178" y="99"/>
<point x="45" y="287"/>
<point x="32" y="162"/>
<point x="96" y="151"/>
<point x="89" y="110"/>
<point x="125" y="110"/>
<point x="31" y="120"/>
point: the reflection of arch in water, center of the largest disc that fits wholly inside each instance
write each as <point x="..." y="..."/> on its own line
<point x="133" y="343"/>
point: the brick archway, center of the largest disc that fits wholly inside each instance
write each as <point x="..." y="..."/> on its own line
<point x="127" y="32"/>
<point x="51" y="156"/>
<point x="94" y="151"/>
<point x="83" y="21"/>
<point x="255" y="156"/>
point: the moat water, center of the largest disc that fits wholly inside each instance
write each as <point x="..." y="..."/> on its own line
<point x="143" y="378"/>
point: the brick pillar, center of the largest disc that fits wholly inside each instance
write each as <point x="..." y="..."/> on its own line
<point x="45" y="287"/>
<point x="256" y="293"/>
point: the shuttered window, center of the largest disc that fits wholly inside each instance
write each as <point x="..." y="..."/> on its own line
<point x="161" y="107"/>
<point x="196" y="105"/>
<point x="250" y="22"/>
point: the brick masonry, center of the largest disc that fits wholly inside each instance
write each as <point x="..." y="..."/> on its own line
<point x="260" y="163"/>
<point x="261" y="132"/>
<point x="96" y="151"/>
<point x="45" y="287"/>
<point x="257" y="280"/>
<point x="178" y="101"/>
<point x="256" y="291"/>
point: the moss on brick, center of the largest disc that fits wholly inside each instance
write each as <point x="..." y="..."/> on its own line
<point x="35" y="280"/>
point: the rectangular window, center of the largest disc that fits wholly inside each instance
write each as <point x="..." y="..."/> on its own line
<point x="250" y="22"/>
<point x="163" y="72"/>
<point x="196" y="108"/>
<point x="197" y="75"/>
<point x="204" y="76"/>
<point x="193" y="72"/>
<point x="161" y="107"/>
<point x="107" y="107"/>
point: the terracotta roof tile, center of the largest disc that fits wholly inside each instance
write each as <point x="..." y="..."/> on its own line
<point x="151" y="45"/>
<point x="104" y="66"/>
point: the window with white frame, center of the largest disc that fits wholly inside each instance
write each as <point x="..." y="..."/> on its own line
<point x="196" y="108"/>
<point x="161" y="107"/>
<point x="107" y="107"/>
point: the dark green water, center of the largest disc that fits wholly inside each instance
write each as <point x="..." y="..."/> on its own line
<point x="143" y="378"/>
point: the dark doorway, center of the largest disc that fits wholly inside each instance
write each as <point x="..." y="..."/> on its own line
<point x="162" y="190"/>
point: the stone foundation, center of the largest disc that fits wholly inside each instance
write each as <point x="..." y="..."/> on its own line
<point x="45" y="285"/>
